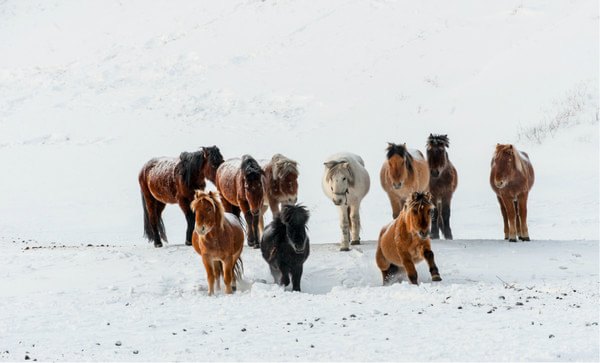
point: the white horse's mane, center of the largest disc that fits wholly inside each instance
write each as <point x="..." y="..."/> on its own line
<point x="340" y="166"/>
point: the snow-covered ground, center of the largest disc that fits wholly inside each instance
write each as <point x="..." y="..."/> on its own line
<point x="89" y="91"/>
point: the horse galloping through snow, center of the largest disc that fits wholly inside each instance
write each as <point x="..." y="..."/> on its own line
<point x="285" y="245"/>
<point x="511" y="178"/>
<point x="281" y="185"/>
<point x="242" y="187"/>
<point x="404" y="172"/>
<point x="219" y="239"/>
<point x="174" y="180"/>
<point x="443" y="180"/>
<point x="346" y="182"/>
<point x="405" y="241"/>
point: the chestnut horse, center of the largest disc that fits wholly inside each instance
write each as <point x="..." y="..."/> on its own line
<point x="242" y="187"/>
<point x="219" y="239"/>
<point x="511" y="179"/>
<point x="405" y="241"/>
<point x="404" y="172"/>
<point x="281" y="185"/>
<point x="173" y="180"/>
<point x="443" y="180"/>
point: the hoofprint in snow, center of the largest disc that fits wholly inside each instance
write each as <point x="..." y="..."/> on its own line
<point x="498" y="301"/>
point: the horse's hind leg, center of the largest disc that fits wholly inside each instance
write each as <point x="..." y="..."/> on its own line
<point x="388" y="270"/>
<point x="228" y="274"/>
<point x="522" y="218"/>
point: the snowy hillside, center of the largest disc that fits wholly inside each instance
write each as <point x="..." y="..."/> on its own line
<point x="89" y="91"/>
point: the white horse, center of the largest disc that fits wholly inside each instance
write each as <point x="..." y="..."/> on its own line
<point x="346" y="182"/>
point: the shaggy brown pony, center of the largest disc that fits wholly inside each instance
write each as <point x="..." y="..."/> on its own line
<point x="405" y="241"/>
<point x="173" y="180"/>
<point x="404" y="172"/>
<point x="511" y="179"/>
<point x="443" y="180"/>
<point x="219" y="239"/>
<point x="281" y="184"/>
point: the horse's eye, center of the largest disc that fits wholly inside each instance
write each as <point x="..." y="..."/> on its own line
<point x="209" y="210"/>
<point x="344" y="178"/>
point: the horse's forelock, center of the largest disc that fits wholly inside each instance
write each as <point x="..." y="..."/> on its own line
<point x="251" y="169"/>
<point x="296" y="215"/>
<point x="510" y="149"/>
<point x="400" y="150"/>
<point x="212" y="198"/>
<point x="283" y="166"/>
<point x="418" y="198"/>
<point x="338" y="167"/>
<point x="438" y="140"/>
<point x="214" y="155"/>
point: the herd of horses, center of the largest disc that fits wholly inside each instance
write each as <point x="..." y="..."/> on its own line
<point x="419" y="189"/>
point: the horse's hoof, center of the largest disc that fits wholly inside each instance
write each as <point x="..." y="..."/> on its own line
<point x="512" y="240"/>
<point x="436" y="278"/>
<point x="526" y="239"/>
<point x="435" y="237"/>
<point x="188" y="243"/>
<point x="355" y="242"/>
<point x="344" y="249"/>
<point x="157" y="244"/>
<point x="256" y="245"/>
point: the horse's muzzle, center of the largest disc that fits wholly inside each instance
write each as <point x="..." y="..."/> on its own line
<point x="397" y="185"/>
<point x="435" y="173"/>
<point x="500" y="184"/>
<point x="292" y="199"/>
<point x="423" y="234"/>
<point x="255" y="212"/>
<point x="201" y="231"/>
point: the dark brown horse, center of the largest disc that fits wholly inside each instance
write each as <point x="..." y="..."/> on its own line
<point x="405" y="241"/>
<point x="404" y="172"/>
<point x="174" y="180"/>
<point x="511" y="179"/>
<point x="242" y="186"/>
<point x="281" y="185"/>
<point x="443" y="180"/>
<point x="219" y="239"/>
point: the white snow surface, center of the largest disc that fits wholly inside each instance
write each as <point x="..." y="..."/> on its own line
<point x="90" y="91"/>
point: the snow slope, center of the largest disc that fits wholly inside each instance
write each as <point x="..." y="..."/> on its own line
<point x="89" y="91"/>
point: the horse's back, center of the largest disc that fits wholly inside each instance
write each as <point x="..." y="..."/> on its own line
<point x="159" y="176"/>
<point x="226" y="179"/>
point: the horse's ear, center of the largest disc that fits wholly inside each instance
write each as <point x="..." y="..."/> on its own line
<point x="346" y="164"/>
<point x="428" y="196"/>
<point x="510" y="146"/>
<point x="329" y="164"/>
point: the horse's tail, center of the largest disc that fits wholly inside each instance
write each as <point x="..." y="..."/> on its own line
<point x="238" y="269"/>
<point x="148" y="233"/>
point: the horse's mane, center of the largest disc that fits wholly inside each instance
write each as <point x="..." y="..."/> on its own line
<point x="401" y="150"/>
<point x="419" y="198"/>
<point x="510" y="149"/>
<point x="337" y="166"/>
<point x="213" y="198"/>
<point x="438" y="140"/>
<point x="295" y="215"/>
<point x="251" y="169"/>
<point x="213" y="154"/>
<point x="283" y="166"/>
<point x="190" y="163"/>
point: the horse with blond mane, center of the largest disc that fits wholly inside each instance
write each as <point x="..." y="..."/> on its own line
<point x="219" y="239"/>
<point x="511" y="178"/>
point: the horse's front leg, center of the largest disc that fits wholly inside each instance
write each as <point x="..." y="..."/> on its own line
<point x="261" y="221"/>
<point x="446" y="219"/>
<point x="250" y="234"/>
<point x="504" y="217"/>
<point x="524" y="232"/>
<point x="409" y="265"/>
<point x="355" y="224"/>
<point x="345" y="226"/>
<point x="296" y="276"/>
<point x="210" y="277"/>
<point x="227" y="274"/>
<point x="511" y="218"/>
<point x="433" y="270"/>
<point x="435" y="228"/>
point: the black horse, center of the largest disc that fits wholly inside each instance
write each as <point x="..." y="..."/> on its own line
<point x="285" y="245"/>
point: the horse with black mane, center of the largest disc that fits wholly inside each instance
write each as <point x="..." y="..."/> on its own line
<point x="443" y="180"/>
<point x="285" y="245"/>
<point x="174" y="180"/>
<point x="241" y="183"/>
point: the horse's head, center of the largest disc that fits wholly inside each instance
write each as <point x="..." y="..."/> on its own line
<point x="208" y="212"/>
<point x="437" y="156"/>
<point x="340" y="178"/>
<point x="213" y="159"/>
<point x="295" y="217"/>
<point x="254" y="183"/>
<point x="400" y="164"/>
<point x="285" y="174"/>
<point x="505" y="164"/>
<point x="418" y="214"/>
